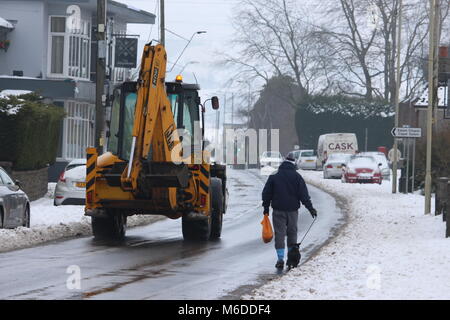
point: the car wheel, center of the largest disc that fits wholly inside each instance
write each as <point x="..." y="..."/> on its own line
<point x="26" y="217"/>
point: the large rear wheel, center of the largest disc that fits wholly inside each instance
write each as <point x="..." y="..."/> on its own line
<point x="112" y="226"/>
<point x="217" y="208"/>
<point x="196" y="227"/>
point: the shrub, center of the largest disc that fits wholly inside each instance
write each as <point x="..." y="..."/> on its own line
<point x="29" y="131"/>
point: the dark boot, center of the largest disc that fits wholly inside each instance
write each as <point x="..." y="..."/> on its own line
<point x="279" y="264"/>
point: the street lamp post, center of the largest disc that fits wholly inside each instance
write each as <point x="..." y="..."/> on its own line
<point x="184" y="67"/>
<point x="397" y="99"/>
<point x="432" y="95"/>
<point x="184" y="49"/>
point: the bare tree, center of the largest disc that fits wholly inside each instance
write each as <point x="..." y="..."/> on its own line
<point x="275" y="40"/>
<point x="367" y="54"/>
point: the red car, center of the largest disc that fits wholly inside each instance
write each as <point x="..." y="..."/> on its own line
<point x="362" y="169"/>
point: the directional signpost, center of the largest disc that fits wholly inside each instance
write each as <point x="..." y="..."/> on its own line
<point x="407" y="132"/>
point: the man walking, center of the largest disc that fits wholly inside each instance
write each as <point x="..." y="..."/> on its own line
<point x="284" y="190"/>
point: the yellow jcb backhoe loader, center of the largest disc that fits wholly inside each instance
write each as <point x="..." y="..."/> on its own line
<point x="145" y="169"/>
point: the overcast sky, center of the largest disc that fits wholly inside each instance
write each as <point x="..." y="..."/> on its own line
<point x="185" y="18"/>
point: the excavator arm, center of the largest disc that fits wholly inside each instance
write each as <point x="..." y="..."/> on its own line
<point x="154" y="135"/>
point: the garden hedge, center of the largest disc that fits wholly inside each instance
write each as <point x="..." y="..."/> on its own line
<point x="29" y="131"/>
<point x="328" y="114"/>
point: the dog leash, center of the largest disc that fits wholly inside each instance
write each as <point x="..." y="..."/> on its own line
<point x="314" y="220"/>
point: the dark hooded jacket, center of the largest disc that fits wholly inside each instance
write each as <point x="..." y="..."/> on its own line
<point x="285" y="190"/>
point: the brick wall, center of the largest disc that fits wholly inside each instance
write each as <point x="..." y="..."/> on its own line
<point x="33" y="182"/>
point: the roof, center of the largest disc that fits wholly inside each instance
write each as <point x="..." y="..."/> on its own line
<point x="442" y="98"/>
<point x="127" y="13"/>
<point x="131" y="14"/>
<point x="5" y="24"/>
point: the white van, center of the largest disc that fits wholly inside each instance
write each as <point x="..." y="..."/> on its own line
<point x="335" y="143"/>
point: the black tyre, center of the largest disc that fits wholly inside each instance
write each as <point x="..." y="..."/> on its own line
<point x="113" y="226"/>
<point x="217" y="208"/>
<point x="196" y="228"/>
<point x="26" y="217"/>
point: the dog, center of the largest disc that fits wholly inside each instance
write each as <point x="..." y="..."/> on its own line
<point x="294" y="256"/>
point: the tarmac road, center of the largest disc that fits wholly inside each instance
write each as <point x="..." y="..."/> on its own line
<point x="155" y="263"/>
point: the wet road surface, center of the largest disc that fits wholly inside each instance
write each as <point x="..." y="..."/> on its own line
<point x="155" y="263"/>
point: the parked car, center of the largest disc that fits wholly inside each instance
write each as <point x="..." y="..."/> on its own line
<point x="335" y="143"/>
<point x="271" y="158"/>
<point x="71" y="186"/>
<point x="361" y="169"/>
<point x="334" y="165"/>
<point x="14" y="203"/>
<point x="307" y="160"/>
<point x="380" y="157"/>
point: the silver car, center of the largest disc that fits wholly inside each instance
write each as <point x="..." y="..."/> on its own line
<point x="14" y="203"/>
<point x="333" y="166"/>
<point x="307" y="160"/>
<point x="71" y="186"/>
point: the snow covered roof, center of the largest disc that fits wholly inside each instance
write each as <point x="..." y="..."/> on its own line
<point x="442" y="98"/>
<point x="361" y="108"/>
<point x="5" y="24"/>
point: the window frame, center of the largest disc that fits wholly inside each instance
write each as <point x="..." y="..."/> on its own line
<point x="79" y="128"/>
<point x="79" y="37"/>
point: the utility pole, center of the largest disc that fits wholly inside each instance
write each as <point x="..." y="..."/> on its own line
<point x="397" y="98"/>
<point x="162" y="23"/>
<point x="432" y="94"/>
<point x="100" y="96"/>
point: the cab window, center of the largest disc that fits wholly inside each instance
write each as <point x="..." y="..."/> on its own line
<point x="128" y="122"/>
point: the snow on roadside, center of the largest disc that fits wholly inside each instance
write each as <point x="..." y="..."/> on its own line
<point x="388" y="250"/>
<point x="51" y="223"/>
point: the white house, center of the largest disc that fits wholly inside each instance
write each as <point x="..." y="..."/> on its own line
<point x="50" y="46"/>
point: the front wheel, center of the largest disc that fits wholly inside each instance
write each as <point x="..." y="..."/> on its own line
<point x="26" y="218"/>
<point x="113" y="226"/>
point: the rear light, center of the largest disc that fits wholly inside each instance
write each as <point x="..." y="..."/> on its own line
<point x="329" y="166"/>
<point x="62" y="178"/>
<point x="203" y="200"/>
<point x="89" y="197"/>
<point x="59" y="197"/>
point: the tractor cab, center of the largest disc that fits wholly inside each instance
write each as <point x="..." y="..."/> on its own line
<point x="185" y="104"/>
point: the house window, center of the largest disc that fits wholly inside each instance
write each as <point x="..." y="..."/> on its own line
<point x="79" y="129"/>
<point x="70" y="49"/>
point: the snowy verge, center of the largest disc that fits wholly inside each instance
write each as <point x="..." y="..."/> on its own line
<point x="388" y="250"/>
<point x="52" y="223"/>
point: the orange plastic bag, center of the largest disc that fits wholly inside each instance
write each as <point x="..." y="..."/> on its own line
<point x="267" y="232"/>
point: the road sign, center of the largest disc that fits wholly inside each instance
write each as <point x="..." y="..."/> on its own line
<point x="406" y="132"/>
<point x="126" y="52"/>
